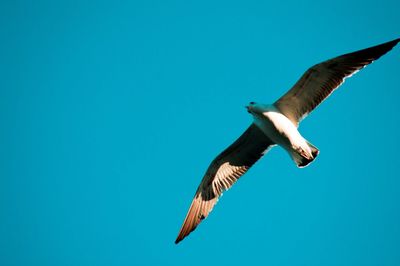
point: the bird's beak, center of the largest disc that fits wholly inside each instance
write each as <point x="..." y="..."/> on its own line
<point x="248" y="109"/>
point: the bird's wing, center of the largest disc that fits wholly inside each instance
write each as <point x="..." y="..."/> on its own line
<point x="319" y="81"/>
<point x="222" y="173"/>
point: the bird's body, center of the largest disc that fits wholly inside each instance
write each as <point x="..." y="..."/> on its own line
<point x="276" y="124"/>
<point x="281" y="131"/>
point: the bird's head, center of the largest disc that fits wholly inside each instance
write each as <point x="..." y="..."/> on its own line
<point x="251" y="107"/>
<point x="258" y="108"/>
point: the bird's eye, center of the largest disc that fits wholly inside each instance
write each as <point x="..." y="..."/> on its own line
<point x="252" y="102"/>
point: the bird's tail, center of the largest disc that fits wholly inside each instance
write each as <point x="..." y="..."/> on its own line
<point x="303" y="158"/>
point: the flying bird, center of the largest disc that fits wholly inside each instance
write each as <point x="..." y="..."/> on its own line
<point x="276" y="124"/>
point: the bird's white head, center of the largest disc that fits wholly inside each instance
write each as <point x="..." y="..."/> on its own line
<point x="256" y="108"/>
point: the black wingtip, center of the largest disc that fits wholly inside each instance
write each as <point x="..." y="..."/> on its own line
<point x="387" y="46"/>
<point x="396" y="40"/>
<point x="375" y="52"/>
<point x="392" y="44"/>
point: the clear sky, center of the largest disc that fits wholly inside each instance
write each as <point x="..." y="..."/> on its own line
<point x="111" y="111"/>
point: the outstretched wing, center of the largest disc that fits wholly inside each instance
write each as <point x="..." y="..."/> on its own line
<point x="319" y="81"/>
<point x="223" y="172"/>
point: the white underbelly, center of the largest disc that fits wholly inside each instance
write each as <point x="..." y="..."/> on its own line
<point x="279" y="129"/>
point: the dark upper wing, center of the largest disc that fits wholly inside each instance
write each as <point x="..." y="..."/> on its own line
<point x="319" y="81"/>
<point x="223" y="173"/>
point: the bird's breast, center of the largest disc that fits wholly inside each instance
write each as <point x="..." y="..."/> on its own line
<point x="277" y="127"/>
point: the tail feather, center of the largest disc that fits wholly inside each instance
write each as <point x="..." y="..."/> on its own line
<point x="303" y="158"/>
<point x="314" y="150"/>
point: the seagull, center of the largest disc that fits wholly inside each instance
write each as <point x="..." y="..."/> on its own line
<point x="276" y="124"/>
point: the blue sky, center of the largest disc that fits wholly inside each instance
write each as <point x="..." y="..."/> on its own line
<point x="111" y="111"/>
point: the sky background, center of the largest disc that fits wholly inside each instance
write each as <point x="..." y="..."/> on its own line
<point x="111" y="111"/>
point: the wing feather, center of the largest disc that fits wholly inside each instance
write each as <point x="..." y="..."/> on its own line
<point x="319" y="81"/>
<point x="222" y="173"/>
